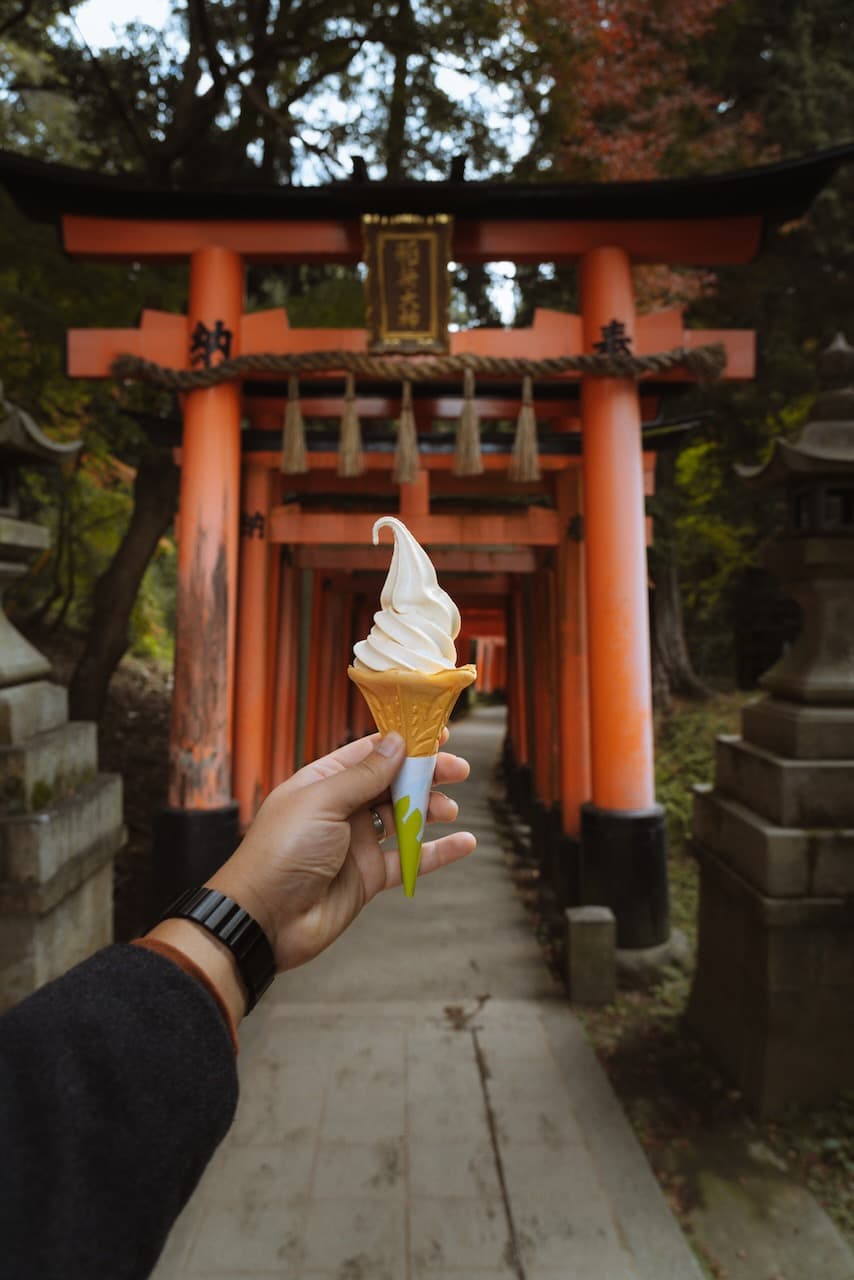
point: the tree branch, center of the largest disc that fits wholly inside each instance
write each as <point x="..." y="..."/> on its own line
<point x="198" y="12"/>
<point x="114" y="97"/>
<point x="22" y="86"/>
<point x="395" y="134"/>
<point x="323" y="152"/>
<point x="185" y="133"/>
<point x="330" y="69"/>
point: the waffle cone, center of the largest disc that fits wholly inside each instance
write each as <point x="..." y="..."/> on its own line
<point x="414" y="705"/>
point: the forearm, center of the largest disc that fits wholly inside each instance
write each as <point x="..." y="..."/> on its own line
<point x="213" y="958"/>
<point x="117" y="1083"/>
<point x="224" y="935"/>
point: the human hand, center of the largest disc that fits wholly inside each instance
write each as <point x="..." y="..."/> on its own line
<point x="311" y="859"/>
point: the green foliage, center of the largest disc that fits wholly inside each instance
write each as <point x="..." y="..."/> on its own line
<point x="712" y="542"/>
<point x="684" y="756"/>
<point x="87" y="505"/>
<point x="717" y="527"/>
<point x="314" y="298"/>
<point x="152" y="624"/>
<point x="87" y="511"/>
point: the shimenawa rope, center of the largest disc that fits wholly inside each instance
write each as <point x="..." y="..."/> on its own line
<point x="706" y="363"/>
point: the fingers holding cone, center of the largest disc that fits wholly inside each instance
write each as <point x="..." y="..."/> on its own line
<point x="449" y="768"/>
<point x="434" y="854"/>
<point x="380" y="866"/>
<point x="441" y="808"/>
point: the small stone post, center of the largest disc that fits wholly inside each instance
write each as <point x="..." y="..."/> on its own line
<point x="60" y="821"/>
<point x="591" y="954"/>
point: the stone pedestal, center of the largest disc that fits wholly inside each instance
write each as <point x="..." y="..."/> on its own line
<point x="774" y="987"/>
<point x="60" y="827"/>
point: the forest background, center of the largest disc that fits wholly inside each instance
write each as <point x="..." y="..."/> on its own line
<point x="263" y="92"/>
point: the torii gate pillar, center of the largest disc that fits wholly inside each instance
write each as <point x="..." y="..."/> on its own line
<point x="199" y="828"/>
<point x="622" y="832"/>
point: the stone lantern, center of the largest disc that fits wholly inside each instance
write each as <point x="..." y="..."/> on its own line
<point x="815" y="556"/>
<point x="773" y="993"/>
<point x="60" y="820"/>
<point x="21" y="442"/>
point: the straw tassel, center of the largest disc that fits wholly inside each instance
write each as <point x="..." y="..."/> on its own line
<point x="525" y="463"/>
<point x="406" y="454"/>
<point x="351" y="460"/>
<point x="294" y="459"/>
<point x="467" y="459"/>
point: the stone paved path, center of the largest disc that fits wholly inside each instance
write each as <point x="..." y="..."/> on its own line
<point x="420" y="1104"/>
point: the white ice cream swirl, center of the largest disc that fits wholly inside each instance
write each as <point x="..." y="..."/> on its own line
<point x="418" y="622"/>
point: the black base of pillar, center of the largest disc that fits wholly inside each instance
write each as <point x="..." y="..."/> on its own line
<point x="541" y="825"/>
<point x="566" y="871"/>
<point x="624" y="867"/>
<point x="521" y="791"/>
<point x="558" y="868"/>
<point x="188" y="846"/>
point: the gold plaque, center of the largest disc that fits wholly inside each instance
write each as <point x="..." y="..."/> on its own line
<point x="407" y="287"/>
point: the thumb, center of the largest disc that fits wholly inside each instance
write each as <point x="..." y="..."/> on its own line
<point x="347" y="791"/>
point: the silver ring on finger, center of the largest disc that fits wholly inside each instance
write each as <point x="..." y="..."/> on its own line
<point x="379" y="826"/>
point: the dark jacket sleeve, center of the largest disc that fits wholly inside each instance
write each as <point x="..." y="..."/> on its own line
<point x="117" y="1082"/>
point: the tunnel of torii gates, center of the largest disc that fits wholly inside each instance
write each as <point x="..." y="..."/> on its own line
<point x="276" y="574"/>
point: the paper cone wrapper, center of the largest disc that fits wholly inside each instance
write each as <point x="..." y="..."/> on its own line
<point x="417" y="707"/>
<point x="410" y="796"/>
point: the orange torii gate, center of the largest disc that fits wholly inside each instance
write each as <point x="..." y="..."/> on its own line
<point x="572" y="573"/>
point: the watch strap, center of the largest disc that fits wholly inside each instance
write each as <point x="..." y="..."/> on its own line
<point x="236" y="929"/>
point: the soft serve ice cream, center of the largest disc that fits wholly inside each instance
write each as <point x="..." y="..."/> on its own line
<point x="418" y="622"/>
<point x="406" y="668"/>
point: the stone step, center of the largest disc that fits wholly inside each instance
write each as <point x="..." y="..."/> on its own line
<point x="781" y="862"/>
<point x="801" y="732"/>
<point x="790" y="793"/>
<point x="41" y="939"/>
<point x="47" y="768"/>
<point x="35" y="847"/>
<point x="30" y="709"/>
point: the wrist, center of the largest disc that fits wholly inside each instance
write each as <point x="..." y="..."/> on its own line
<point x="235" y="929"/>
<point x="211" y="956"/>
<point x="239" y="888"/>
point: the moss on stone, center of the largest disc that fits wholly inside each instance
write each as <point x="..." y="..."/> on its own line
<point x="41" y="795"/>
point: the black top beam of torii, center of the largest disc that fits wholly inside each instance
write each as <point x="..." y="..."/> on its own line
<point x="779" y="192"/>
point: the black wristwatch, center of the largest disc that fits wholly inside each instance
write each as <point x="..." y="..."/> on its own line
<point x="236" y="929"/>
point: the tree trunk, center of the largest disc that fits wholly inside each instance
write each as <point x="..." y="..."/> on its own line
<point x="672" y="671"/>
<point x="395" y="138"/>
<point x="155" y="501"/>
